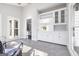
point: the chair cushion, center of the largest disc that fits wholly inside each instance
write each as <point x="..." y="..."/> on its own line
<point x="10" y="51"/>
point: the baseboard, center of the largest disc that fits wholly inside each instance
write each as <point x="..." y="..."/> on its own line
<point x="52" y="43"/>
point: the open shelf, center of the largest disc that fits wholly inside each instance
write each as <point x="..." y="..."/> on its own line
<point x="60" y="24"/>
<point x="60" y="27"/>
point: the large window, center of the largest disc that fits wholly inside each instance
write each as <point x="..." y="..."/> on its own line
<point x="13" y="27"/>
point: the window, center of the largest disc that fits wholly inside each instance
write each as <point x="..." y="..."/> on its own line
<point x="76" y="23"/>
<point x="16" y="24"/>
<point x="13" y="27"/>
<point x="15" y="32"/>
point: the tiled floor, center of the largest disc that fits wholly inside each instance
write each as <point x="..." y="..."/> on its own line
<point x="51" y="49"/>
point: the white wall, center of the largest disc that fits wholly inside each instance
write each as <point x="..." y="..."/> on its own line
<point x="32" y="11"/>
<point x="6" y="11"/>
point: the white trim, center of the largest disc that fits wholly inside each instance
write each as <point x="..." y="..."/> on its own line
<point x="26" y="26"/>
<point x="70" y="26"/>
<point x="53" y="11"/>
<point x="72" y="51"/>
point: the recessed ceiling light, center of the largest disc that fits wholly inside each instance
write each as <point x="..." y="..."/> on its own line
<point x="19" y="3"/>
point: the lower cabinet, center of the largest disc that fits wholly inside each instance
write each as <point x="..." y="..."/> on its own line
<point x="61" y="37"/>
<point x="46" y="36"/>
<point x="58" y="37"/>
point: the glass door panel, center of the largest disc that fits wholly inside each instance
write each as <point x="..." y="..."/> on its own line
<point x="76" y="28"/>
<point x="56" y="17"/>
<point x="62" y="16"/>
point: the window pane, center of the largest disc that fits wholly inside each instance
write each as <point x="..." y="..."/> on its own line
<point x="56" y="17"/>
<point x="16" y="24"/>
<point x="77" y="32"/>
<point x="10" y="32"/>
<point x="15" y="32"/>
<point x="62" y="16"/>
<point x="10" y="23"/>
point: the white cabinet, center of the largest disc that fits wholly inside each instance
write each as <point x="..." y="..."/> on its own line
<point x="61" y="37"/>
<point x="56" y="17"/>
<point x="55" y="22"/>
<point x="45" y="35"/>
<point x="60" y="27"/>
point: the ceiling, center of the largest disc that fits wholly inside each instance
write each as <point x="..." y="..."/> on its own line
<point x="18" y="4"/>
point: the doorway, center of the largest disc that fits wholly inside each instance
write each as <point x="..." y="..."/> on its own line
<point x="29" y="31"/>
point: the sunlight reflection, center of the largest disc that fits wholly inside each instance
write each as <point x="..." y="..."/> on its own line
<point x="36" y="52"/>
<point x="26" y="48"/>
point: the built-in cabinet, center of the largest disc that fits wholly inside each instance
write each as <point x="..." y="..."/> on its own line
<point x="60" y="16"/>
<point x="61" y="37"/>
<point x="55" y="24"/>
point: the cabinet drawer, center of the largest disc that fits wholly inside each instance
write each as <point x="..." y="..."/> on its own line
<point x="63" y="37"/>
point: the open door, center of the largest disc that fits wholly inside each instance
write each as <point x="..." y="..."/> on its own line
<point x="29" y="31"/>
<point x="76" y="28"/>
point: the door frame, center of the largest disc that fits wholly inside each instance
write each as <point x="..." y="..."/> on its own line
<point x="26" y="26"/>
<point x="70" y="46"/>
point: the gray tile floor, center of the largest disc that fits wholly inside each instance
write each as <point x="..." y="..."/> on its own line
<point x="51" y="48"/>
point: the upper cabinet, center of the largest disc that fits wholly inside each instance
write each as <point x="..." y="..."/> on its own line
<point x="56" y="17"/>
<point x="60" y="16"/>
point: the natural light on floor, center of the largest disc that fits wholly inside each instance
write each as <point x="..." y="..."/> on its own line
<point x="36" y="52"/>
<point x="26" y="48"/>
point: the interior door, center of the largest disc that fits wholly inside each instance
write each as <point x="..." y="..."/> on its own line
<point x="76" y="27"/>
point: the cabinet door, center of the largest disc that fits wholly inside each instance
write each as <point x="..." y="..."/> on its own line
<point x="56" y="17"/>
<point x="63" y="38"/>
<point x="62" y="13"/>
<point x="60" y="38"/>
